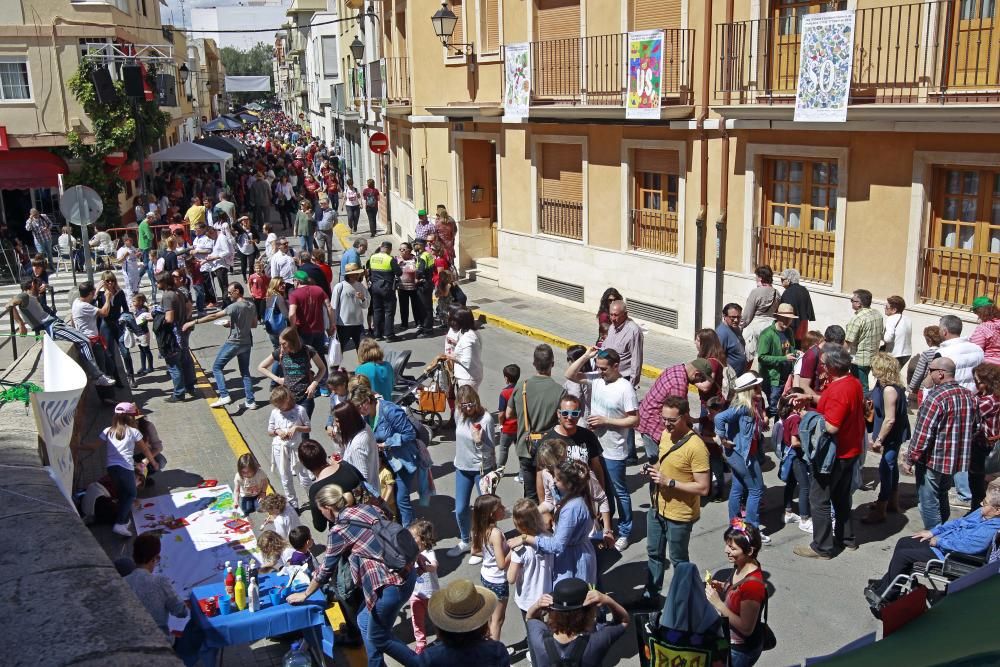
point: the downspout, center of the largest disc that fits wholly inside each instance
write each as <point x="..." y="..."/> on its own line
<point x="702" y="219"/>
<point x="722" y="221"/>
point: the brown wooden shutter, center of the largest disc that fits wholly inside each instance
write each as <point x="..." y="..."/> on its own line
<point x="401" y="29"/>
<point x="491" y="40"/>
<point x="557" y="19"/>
<point x="660" y="162"/>
<point x="562" y="172"/>
<point x="652" y="14"/>
<point x="458" y="37"/>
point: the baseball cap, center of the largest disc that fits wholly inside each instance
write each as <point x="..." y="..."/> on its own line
<point x="422" y="211"/>
<point x="703" y="367"/>
<point x="126" y="409"/>
<point x="301" y="275"/>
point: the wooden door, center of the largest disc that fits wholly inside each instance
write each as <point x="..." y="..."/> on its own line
<point x="975" y="45"/>
<point x="785" y="31"/>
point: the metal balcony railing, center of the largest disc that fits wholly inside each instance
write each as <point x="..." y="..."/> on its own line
<point x="810" y="252"/>
<point x="560" y="218"/>
<point x="955" y="277"/>
<point x="594" y="70"/>
<point x="940" y="51"/>
<point x="653" y="231"/>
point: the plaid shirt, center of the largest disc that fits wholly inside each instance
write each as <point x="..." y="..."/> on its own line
<point x="672" y="382"/>
<point x="41" y="229"/>
<point x="946" y="424"/>
<point x="367" y="567"/>
<point x="989" y="420"/>
<point x="866" y="330"/>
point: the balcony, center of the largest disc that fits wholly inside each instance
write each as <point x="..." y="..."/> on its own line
<point x="653" y="231"/>
<point x="954" y="277"/>
<point x="592" y="72"/>
<point x="389" y="84"/>
<point x="936" y="52"/>
<point x="560" y="218"/>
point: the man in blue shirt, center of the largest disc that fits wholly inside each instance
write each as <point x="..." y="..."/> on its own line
<point x="732" y="338"/>
<point x="353" y="255"/>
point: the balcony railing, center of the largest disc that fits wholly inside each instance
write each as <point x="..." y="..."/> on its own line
<point x="810" y="252"/>
<point x="376" y="86"/>
<point x="397" y="81"/>
<point x="653" y="231"/>
<point x="594" y="70"/>
<point x="560" y="218"/>
<point x="956" y="277"/>
<point x="922" y="52"/>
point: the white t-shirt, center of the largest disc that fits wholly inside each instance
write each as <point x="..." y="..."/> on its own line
<point x="285" y="420"/>
<point x="84" y="317"/>
<point x="121" y="450"/>
<point x="270" y="245"/>
<point x="468" y="359"/>
<point x="362" y="453"/>
<point x="283" y="266"/>
<point x="613" y="400"/>
<point x="427" y="583"/>
<point x="284" y="522"/>
<point x="535" y="578"/>
<point x="898" y="332"/>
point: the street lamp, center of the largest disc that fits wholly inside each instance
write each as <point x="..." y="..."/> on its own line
<point x="357" y="48"/>
<point x="183" y="72"/>
<point x="444" y="21"/>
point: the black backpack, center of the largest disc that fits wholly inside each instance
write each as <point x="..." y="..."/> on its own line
<point x="165" y="338"/>
<point x="575" y="657"/>
<point x="399" y="549"/>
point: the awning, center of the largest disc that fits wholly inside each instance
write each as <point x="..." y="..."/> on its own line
<point x="24" y="168"/>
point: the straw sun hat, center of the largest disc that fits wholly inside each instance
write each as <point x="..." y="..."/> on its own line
<point x="461" y="607"/>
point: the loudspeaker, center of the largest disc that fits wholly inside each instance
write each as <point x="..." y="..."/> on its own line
<point x="166" y="90"/>
<point x="132" y="78"/>
<point x="104" y="87"/>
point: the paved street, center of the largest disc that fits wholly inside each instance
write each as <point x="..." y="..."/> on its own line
<point x="827" y="593"/>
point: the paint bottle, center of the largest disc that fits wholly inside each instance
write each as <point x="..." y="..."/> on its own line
<point x="253" y="595"/>
<point x="230" y="581"/>
<point x="240" y="594"/>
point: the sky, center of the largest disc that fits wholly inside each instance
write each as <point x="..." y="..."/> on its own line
<point x="172" y="13"/>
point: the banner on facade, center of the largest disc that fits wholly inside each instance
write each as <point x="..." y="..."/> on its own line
<point x="248" y="84"/>
<point x="825" y="61"/>
<point x="517" y="82"/>
<point x="385" y="84"/>
<point x="645" y="74"/>
<point x="55" y="408"/>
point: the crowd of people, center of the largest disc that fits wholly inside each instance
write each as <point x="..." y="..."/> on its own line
<point x="766" y="381"/>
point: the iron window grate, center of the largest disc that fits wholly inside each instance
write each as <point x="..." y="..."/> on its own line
<point x="561" y="289"/>
<point x="666" y="317"/>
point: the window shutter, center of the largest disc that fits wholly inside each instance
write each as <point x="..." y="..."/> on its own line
<point x="458" y="37"/>
<point x="330" y="56"/>
<point x="653" y="14"/>
<point x="491" y="40"/>
<point x="562" y="172"/>
<point x="660" y="162"/>
<point x="401" y="29"/>
<point x="557" y="19"/>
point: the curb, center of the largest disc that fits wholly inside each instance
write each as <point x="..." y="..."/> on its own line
<point x="546" y="337"/>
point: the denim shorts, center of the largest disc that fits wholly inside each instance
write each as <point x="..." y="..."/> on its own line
<point x="502" y="591"/>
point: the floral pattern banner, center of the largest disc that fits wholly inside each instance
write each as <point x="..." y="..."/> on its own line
<point x="825" y="61"/>
<point x="517" y="82"/>
<point x="645" y="74"/>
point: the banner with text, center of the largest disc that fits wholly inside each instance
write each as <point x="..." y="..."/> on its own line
<point x="825" y="61"/>
<point x="517" y="82"/>
<point x="645" y="74"/>
<point x="55" y="408"/>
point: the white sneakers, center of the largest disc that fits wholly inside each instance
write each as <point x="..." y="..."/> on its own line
<point x="121" y="529"/>
<point x="222" y="402"/>
<point x="475" y="559"/>
<point x="459" y="549"/>
<point x="806" y="526"/>
<point x="765" y="539"/>
<point x="249" y="405"/>
<point x="104" y="381"/>
<point x="621" y="544"/>
<point x="791" y="517"/>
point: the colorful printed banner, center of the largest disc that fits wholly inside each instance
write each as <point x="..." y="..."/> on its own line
<point x="645" y="74"/>
<point x="517" y="82"/>
<point x="825" y="61"/>
<point x="55" y="409"/>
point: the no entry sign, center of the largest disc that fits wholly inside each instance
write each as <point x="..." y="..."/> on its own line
<point x="378" y="143"/>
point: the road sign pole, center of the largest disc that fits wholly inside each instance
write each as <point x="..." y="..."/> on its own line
<point x="85" y="238"/>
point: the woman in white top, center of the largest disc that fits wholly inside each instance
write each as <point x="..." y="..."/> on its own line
<point x="474" y="456"/>
<point x="467" y="356"/>
<point x="357" y="442"/>
<point x="898" y="330"/>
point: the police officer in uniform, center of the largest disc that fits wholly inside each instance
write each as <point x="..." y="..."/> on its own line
<point x="425" y="287"/>
<point x="383" y="272"/>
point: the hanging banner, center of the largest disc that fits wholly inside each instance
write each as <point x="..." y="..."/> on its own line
<point x="645" y="74"/>
<point x="385" y="84"/>
<point x="55" y="408"/>
<point x="517" y="82"/>
<point x="248" y="84"/>
<point x="825" y="60"/>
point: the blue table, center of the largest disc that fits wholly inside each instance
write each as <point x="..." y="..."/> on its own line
<point x="243" y="627"/>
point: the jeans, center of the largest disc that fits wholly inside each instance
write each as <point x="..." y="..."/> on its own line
<point x="961" y="480"/>
<point x="616" y="475"/>
<point x="225" y="355"/>
<point x="113" y="334"/>
<point x="932" y="495"/>
<point x="145" y="358"/>
<point x="181" y="370"/>
<point x="862" y="373"/>
<point x="376" y="624"/>
<point x="738" y="658"/>
<point x="309" y="404"/>
<point x="507" y="440"/>
<point x="200" y="296"/>
<point x="746" y="477"/>
<point x="372" y="212"/>
<point x="124" y="479"/>
<point x="630" y="452"/>
<point x="406" y="483"/>
<point x="45" y="248"/>
<point x="465" y="482"/>
<point x="353" y="215"/>
<point x="248" y="504"/>
<point x="407" y="297"/>
<point x="306" y="242"/>
<point x="652" y="448"/>
<point x="799" y="478"/>
<point x="664" y="537"/>
<point x="528" y="472"/>
<point x="888" y="474"/>
<point x="832" y="490"/>
<point x="773" y="393"/>
<point x="908" y="551"/>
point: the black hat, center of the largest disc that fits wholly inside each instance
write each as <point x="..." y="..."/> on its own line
<point x="569" y="594"/>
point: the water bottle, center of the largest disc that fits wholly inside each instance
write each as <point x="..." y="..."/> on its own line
<point x="298" y="656"/>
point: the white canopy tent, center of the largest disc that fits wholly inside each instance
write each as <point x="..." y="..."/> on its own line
<point x="192" y="152"/>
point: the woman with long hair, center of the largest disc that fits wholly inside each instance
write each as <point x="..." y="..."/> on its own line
<point x="474" y="457"/>
<point x="573" y="552"/>
<point x="890" y="429"/>
<point x="111" y="330"/>
<point x="357" y="442"/>
<point x="122" y="439"/>
<point x="604" y="311"/>
<point x="987" y="334"/>
<point x="296" y="361"/>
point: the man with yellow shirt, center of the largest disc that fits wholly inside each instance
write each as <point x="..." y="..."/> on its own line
<point x="196" y="214"/>
<point x="681" y="477"/>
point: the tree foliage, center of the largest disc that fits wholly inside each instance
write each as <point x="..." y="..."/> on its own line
<point x="115" y="129"/>
<point x="256" y="61"/>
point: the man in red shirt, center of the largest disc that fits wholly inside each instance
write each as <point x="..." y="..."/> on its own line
<point x="843" y="409"/>
<point x="306" y="306"/>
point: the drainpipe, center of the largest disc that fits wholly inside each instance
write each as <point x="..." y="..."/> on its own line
<point x="702" y="219"/>
<point x="722" y="220"/>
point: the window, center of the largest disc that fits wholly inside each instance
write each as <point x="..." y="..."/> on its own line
<point x="330" y="56"/>
<point x="962" y="258"/>
<point x="489" y="25"/>
<point x="799" y="217"/>
<point x="140" y="6"/>
<point x="561" y="193"/>
<point x="14" y="83"/>
<point x="653" y="217"/>
<point x="407" y="165"/>
<point x="457" y="37"/>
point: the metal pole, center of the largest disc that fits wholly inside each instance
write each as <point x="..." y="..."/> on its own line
<point x="85" y="234"/>
<point x="141" y="150"/>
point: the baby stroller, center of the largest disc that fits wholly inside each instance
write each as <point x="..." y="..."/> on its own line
<point x="427" y="397"/>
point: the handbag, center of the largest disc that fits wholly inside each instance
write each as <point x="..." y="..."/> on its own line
<point x="334" y="355"/>
<point x="274" y="320"/>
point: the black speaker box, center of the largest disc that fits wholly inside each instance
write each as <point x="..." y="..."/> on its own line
<point x="132" y="78"/>
<point x="104" y="87"/>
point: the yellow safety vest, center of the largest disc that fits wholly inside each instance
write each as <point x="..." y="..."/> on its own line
<point x="380" y="262"/>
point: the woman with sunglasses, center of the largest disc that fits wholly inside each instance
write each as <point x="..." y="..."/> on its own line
<point x="474" y="457"/>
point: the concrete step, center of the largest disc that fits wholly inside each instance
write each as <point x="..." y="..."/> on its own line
<point x="486" y="270"/>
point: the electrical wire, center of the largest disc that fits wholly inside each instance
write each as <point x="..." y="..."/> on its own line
<point x="279" y="29"/>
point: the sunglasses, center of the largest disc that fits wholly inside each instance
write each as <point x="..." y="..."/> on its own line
<point x="571" y="414"/>
<point x="467" y="406"/>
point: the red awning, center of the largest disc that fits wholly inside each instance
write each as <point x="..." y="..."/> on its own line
<point x="30" y="168"/>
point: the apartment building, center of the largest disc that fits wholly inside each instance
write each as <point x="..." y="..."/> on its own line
<point x="677" y="209"/>
<point x="210" y="78"/>
<point x="41" y="46"/>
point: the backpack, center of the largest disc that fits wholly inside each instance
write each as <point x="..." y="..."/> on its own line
<point x="274" y="320"/>
<point x="165" y="338"/>
<point x="399" y="549"/>
<point x="370" y="201"/>
<point x="575" y="657"/>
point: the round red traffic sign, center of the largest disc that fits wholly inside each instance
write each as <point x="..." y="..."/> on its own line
<point x="378" y="143"/>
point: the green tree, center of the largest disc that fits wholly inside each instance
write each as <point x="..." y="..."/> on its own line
<point x="254" y="62"/>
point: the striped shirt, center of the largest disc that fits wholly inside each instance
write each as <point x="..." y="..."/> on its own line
<point x="946" y="424"/>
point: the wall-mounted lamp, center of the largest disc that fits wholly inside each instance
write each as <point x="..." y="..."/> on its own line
<point x="444" y="21"/>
